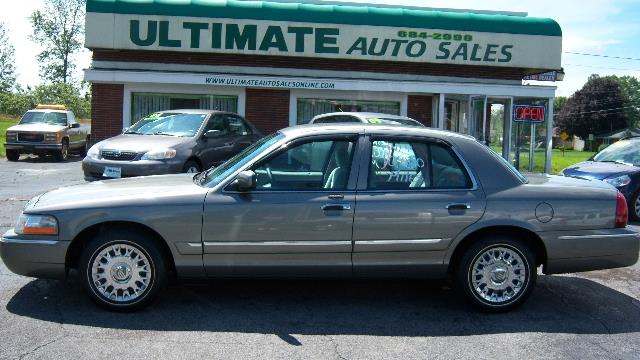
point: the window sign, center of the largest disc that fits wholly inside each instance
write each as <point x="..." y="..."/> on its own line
<point x="529" y="113"/>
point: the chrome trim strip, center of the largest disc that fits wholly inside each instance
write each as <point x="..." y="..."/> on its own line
<point x="28" y="242"/>
<point x="593" y="236"/>
<point x="398" y="242"/>
<point x="276" y="243"/>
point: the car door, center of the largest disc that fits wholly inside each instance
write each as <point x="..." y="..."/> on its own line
<point x="417" y="195"/>
<point x="214" y="150"/>
<point x="242" y="134"/>
<point x="296" y="222"/>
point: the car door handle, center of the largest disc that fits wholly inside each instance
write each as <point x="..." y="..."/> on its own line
<point x="458" y="206"/>
<point x="338" y="207"/>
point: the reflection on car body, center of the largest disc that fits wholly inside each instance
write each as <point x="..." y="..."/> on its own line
<point x="328" y="200"/>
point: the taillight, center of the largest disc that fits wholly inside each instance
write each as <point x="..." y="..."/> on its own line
<point x="622" y="214"/>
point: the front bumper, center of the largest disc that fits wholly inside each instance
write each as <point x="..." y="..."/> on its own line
<point x="587" y="250"/>
<point x="94" y="168"/>
<point x="29" y="147"/>
<point x="36" y="257"/>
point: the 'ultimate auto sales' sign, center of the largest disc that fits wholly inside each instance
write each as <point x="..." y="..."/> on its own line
<point x="529" y="113"/>
<point x="338" y="41"/>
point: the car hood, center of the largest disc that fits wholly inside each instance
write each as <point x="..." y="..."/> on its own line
<point x="37" y="128"/>
<point x="141" y="143"/>
<point x="598" y="170"/>
<point x="145" y="190"/>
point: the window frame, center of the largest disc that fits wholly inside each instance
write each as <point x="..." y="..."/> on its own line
<point x="365" y="161"/>
<point x="356" y="139"/>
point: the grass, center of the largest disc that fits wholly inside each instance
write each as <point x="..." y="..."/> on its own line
<point x="5" y="123"/>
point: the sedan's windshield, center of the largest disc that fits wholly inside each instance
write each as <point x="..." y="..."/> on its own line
<point x="623" y="151"/>
<point x="171" y="124"/>
<point x="214" y="176"/>
<point x="44" y="117"/>
<point x="393" y="121"/>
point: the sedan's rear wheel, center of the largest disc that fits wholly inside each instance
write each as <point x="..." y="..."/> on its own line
<point x="122" y="270"/>
<point x="497" y="274"/>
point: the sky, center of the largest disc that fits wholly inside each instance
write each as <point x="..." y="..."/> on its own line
<point x="599" y="27"/>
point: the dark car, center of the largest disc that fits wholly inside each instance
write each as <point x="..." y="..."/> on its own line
<point x="618" y="165"/>
<point x="168" y="142"/>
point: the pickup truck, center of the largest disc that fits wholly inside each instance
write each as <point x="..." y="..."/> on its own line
<point x="47" y="129"/>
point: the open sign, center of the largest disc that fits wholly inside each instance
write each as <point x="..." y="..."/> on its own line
<point x="528" y="113"/>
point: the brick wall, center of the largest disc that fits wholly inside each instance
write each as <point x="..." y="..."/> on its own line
<point x="419" y="107"/>
<point x="267" y="109"/>
<point x="394" y="67"/>
<point x="106" y="111"/>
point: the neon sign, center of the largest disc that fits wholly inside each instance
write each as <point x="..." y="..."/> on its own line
<point x="529" y="113"/>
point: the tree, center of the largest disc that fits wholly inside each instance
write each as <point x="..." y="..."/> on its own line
<point x="558" y="104"/>
<point x="60" y="30"/>
<point x="630" y="87"/>
<point x="7" y="61"/>
<point x="597" y="108"/>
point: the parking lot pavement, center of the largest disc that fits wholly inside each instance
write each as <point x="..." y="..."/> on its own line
<point x="592" y="315"/>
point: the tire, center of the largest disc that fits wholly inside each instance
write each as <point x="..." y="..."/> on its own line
<point x="191" y="166"/>
<point x="512" y="273"/>
<point x="13" y="155"/>
<point x="63" y="154"/>
<point x="112" y="286"/>
<point x="634" y="207"/>
<point x="85" y="148"/>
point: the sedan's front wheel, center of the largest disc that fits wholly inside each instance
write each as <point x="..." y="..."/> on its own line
<point x="497" y="274"/>
<point x="122" y="270"/>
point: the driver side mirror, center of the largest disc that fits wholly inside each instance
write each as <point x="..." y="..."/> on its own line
<point x="246" y="180"/>
<point x="212" y="134"/>
<point x="74" y="125"/>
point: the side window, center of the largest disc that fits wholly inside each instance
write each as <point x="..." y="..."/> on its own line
<point x="237" y="126"/>
<point x="399" y="165"/>
<point x="314" y="165"/>
<point x="326" y="120"/>
<point x="216" y="123"/>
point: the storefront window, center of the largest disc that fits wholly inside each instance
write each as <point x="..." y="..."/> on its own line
<point x="308" y="108"/>
<point x="143" y="104"/>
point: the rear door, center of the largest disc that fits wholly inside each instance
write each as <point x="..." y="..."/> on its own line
<point x="417" y="195"/>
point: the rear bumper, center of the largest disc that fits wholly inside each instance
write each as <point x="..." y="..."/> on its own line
<point x="93" y="169"/>
<point x="587" y="250"/>
<point x="41" y="258"/>
<point x="29" y="147"/>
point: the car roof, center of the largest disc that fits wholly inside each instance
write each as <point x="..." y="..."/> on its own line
<point x="363" y="115"/>
<point x="364" y="128"/>
<point x="195" y="111"/>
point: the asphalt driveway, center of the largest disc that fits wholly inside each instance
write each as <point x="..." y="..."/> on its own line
<point x="592" y="315"/>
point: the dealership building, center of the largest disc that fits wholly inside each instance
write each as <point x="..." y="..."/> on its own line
<point x="280" y="63"/>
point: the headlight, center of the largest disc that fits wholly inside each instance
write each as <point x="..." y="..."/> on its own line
<point x="36" y="225"/>
<point x="159" y="154"/>
<point x="619" y="181"/>
<point x="94" y="152"/>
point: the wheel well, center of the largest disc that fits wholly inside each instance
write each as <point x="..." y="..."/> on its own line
<point x="195" y="158"/>
<point x="520" y="234"/>
<point x="65" y="139"/>
<point x="78" y="243"/>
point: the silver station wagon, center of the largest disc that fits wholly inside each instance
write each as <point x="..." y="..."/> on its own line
<point x="335" y="200"/>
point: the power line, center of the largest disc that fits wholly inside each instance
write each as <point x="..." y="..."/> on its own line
<point x="603" y="56"/>
<point x="601" y="67"/>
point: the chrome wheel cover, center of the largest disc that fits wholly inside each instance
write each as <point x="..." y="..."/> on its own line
<point x="498" y="275"/>
<point x="121" y="273"/>
<point x="636" y="206"/>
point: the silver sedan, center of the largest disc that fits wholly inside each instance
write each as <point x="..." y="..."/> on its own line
<point x="335" y="200"/>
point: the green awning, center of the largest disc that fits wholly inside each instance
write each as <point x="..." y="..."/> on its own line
<point x="332" y="14"/>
